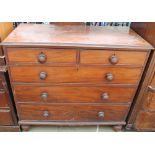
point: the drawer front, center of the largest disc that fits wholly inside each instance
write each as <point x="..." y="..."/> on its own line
<point x="153" y="81"/>
<point x="1" y="80"/>
<point x="3" y="95"/>
<point x="41" y="56"/>
<point x="76" y="112"/>
<point x="145" y="120"/>
<point x="4" y="99"/>
<point x="85" y="74"/>
<point x="112" y="57"/>
<point x="5" y="117"/>
<point x="73" y="94"/>
<point x="2" y="63"/>
<point x="150" y="101"/>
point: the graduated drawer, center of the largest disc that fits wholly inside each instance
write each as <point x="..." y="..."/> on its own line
<point x="112" y="57"/>
<point x="85" y="74"/>
<point x="78" y="112"/>
<point x="6" y="117"/>
<point x="41" y="56"/>
<point x="73" y="94"/>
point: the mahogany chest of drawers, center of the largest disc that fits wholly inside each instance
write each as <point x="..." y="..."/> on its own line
<point x="74" y="75"/>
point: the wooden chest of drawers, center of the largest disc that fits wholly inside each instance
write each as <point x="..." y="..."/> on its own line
<point x="74" y="75"/>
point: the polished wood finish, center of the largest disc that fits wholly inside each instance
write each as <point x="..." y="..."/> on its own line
<point x="30" y="55"/>
<point x="76" y="36"/>
<point x="3" y="98"/>
<point x="104" y="56"/>
<point x="74" y="75"/>
<point x="72" y="94"/>
<point x="142" y="115"/>
<point x="6" y="117"/>
<point x="77" y="112"/>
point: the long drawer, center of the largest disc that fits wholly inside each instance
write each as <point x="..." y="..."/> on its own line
<point x="6" y="117"/>
<point x="69" y="112"/>
<point x="85" y="74"/>
<point x="40" y="56"/>
<point x="73" y="94"/>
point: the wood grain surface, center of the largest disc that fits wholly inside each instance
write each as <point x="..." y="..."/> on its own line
<point x="82" y="74"/>
<point x="79" y="36"/>
<point x="76" y="112"/>
<point x="73" y="94"/>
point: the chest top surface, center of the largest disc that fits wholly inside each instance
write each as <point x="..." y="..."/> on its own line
<point x="79" y="36"/>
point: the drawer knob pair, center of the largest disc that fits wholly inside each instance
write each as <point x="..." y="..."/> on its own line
<point x="45" y="113"/>
<point x="42" y="58"/>
<point x="43" y="75"/>
<point x="113" y="59"/>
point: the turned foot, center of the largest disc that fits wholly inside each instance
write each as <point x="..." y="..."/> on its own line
<point x="117" y="128"/>
<point x="128" y="127"/>
<point x="25" y="127"/>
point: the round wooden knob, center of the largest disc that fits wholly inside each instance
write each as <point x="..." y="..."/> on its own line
<point x="101" y="114"/>
<point x="109" y="76"/>
<point x="42" y="58"/>
<point x="105" y="96"/>
<point x="46" y="114"/>
<point x="113" y="59"/>
<point x="44" y="96"/>
<point x="43" y="75"/>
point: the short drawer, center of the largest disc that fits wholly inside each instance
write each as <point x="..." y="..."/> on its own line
<point x="145" y="121"/>
<point x="41" y="56"/>
<point x="73" y="94"/>
<point x="112" y="57"/>
<point x="6" y="117"/>
<point x="85" y="74"/>
<point x="69" y="112"/>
